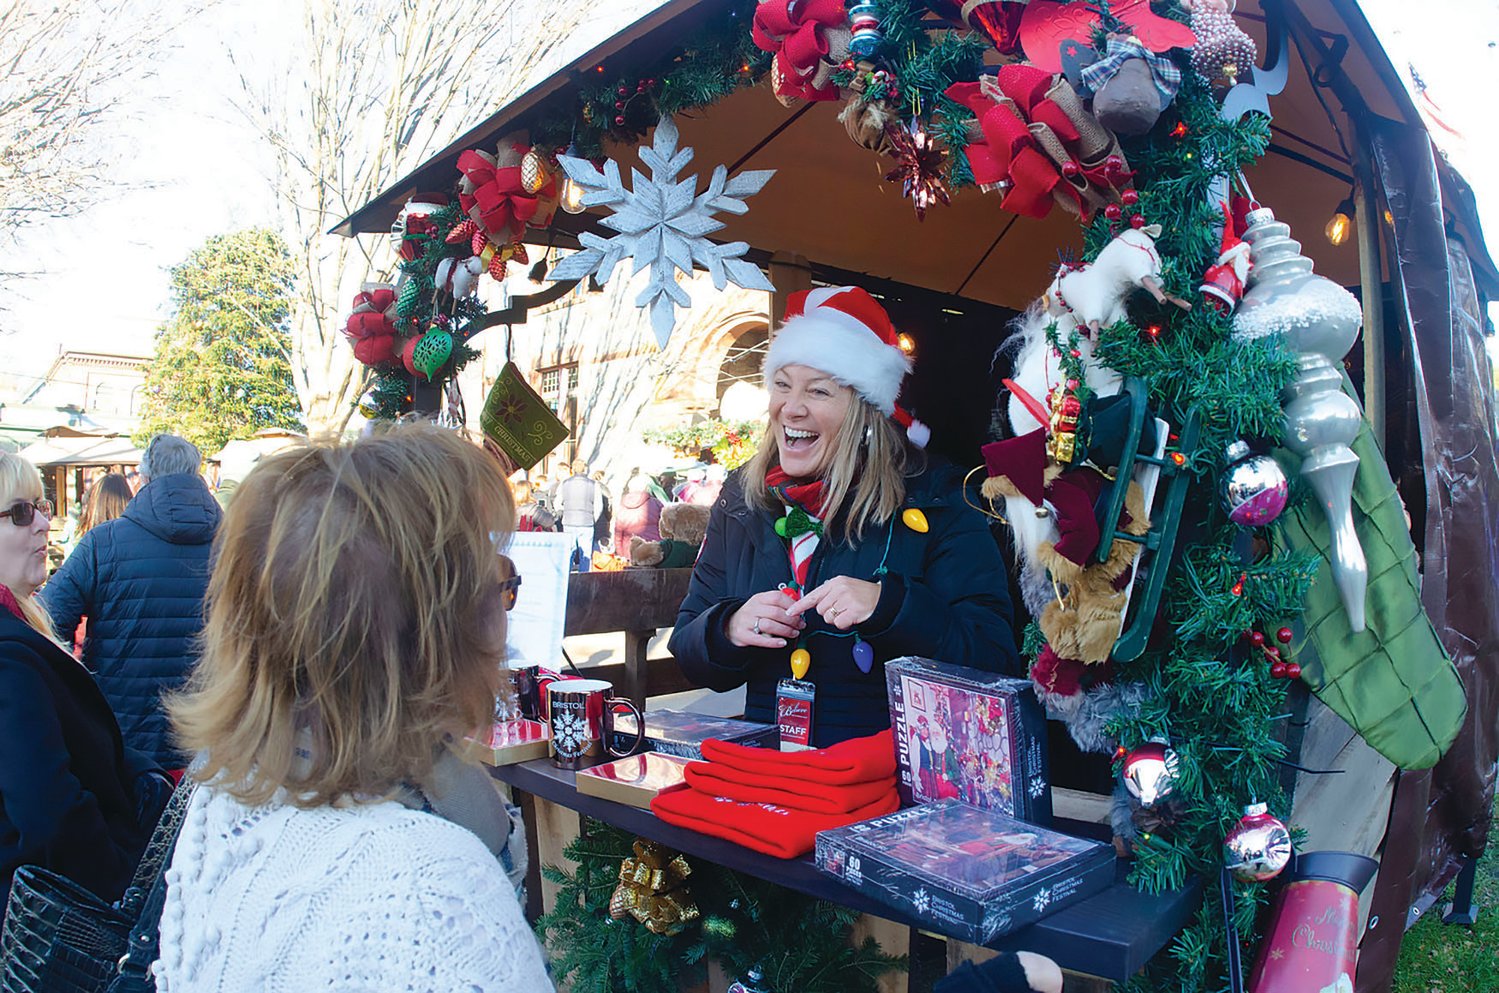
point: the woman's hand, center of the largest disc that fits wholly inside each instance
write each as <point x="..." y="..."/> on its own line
<point x="764" y="622"/>
<point x="842" y="601"/>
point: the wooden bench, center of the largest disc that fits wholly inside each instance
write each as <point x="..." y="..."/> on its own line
<point x="636" y="602"/>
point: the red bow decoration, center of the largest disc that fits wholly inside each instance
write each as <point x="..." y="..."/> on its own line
<point x="1039" y="141"/>
<point x="493" y="194"/>
<point x="371" y="327"/>
<point x="803" y="34"/>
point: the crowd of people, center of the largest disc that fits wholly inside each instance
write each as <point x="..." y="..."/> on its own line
<point x="581" y="506"/>
<point x="307" y="657"/>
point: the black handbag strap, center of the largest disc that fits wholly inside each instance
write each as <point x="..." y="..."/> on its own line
<point x="158" y="850"/>
<point x="150" y="879"/>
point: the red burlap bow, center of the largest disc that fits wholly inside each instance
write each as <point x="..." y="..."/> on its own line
<point x="802" y="33"/>
<point x="371" y="327"/>
<point x="491" y="193"/>
<point x="1038" y="138"/>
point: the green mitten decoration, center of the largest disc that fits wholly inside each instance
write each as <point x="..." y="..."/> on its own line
<point x="1392" y="682"/>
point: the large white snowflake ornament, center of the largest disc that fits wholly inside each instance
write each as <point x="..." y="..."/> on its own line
<point x="663" y="223"/>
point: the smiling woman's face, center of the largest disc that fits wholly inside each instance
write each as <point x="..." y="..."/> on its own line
<point x="807" y="407"/>
<point x="23" y="550"/>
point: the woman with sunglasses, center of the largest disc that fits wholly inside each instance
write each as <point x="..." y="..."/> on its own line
<point x="73" y="799"/>
<point x="355" y="625"/>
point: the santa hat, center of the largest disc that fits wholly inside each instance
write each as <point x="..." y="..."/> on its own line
<point x="844" y="332"/>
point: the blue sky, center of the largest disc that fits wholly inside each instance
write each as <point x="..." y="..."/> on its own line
<point x="192" y="168"/>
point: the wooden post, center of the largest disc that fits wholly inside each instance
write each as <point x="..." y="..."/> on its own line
<point x="789" y="272"/>
<point x="894" y="939"/>
<point x="556" y="825"/>
<point x="1371" y="287"/>
<point x="637" y="672"/>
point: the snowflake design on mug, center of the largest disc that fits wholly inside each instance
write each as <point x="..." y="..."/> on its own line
<point x="569" y="732"/>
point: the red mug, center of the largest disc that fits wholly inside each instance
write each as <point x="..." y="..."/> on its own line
<point x="580" y="714"/>
<point x="530" y="682"/>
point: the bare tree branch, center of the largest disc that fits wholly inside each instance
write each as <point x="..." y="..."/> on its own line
<point x="66" y="69"/>
<point x="377" y="87"/>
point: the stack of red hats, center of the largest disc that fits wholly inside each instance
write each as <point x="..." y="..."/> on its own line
<point x="775" y="802"/>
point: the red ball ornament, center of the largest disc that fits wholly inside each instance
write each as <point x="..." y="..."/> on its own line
<point x="1137" y="221"/>
<point x="623" y="90"/>
<point x="1283" y="636"/>
<point x="1278" y="670"/>
<point x="619" y="121"/>
<point x="1293" y="670"/>
<point x="1272" y="652"/>
<point x="1070" y="168"/>
<point x="1257" y="639"/>
<point x="619" y="105"/>
<point x="1130" y="197"/>
<point x="1114" y="164"/>
<point x="1113" y="212"/>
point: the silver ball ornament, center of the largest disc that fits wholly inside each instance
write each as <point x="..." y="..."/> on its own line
<point x="1150" y="771"/>
<point x="1258" y="847"/>
<point x="1254" y="489"/>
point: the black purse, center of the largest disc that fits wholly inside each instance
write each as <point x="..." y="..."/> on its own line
<point x="58" y="937"/>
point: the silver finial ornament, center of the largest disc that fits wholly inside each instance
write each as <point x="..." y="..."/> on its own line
<point x="1319" y="321"/>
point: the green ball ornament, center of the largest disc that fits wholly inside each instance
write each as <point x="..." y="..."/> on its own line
<point x="434" y="349"/>
<point x="781" y="526"/>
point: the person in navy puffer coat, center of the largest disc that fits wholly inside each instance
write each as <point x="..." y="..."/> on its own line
<point x="140" y="579"/>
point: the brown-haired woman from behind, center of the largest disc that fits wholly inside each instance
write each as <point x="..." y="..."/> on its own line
<point x="355" y="622"/>
<point x="106" y="501"/>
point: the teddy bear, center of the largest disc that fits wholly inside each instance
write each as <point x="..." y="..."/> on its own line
<point x="683" y="526"/>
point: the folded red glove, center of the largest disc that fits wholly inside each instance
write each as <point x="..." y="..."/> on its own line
<point x="718" y="779"/>
<point x="858" y="760"/>
<point x="773" y="830"/>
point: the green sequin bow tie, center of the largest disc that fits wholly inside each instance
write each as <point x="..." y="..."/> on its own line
<point x="797" y="523"/>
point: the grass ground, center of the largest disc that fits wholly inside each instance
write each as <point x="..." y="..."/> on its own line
<point x="1450" y="958"/>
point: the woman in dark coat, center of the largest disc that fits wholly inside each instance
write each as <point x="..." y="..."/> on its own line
<point x="69" y="796"/>
<point x="840" y="538"/>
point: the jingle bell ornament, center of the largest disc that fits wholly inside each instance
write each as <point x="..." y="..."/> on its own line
<point x="1254" y="488"/>
<point x="1150" y="771"/>
<point x="1258" y="847"/>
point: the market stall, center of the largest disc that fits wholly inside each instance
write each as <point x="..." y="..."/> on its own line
<point x="1269" y="642"/>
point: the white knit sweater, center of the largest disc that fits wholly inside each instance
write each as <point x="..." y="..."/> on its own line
<point x="374" y="898"/>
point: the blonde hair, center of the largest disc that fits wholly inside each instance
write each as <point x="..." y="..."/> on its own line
<point x="20" y="480"/>
<point x="354" y="603"/>
<point x="865" y="479"/>
<point x="106" y="501"/>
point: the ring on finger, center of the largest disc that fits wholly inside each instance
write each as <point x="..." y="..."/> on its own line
<point x="756" y="628"/>
<point x="835" y="611"/>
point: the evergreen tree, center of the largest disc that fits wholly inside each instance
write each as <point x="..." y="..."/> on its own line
<point x="222" y="369"/>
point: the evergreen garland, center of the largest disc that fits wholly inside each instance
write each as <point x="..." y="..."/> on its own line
<point x="621" y="106"/>
<point x="417" y="306"/>
<point x="796" y="943"/>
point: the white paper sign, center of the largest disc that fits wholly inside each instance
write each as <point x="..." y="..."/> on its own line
<point x="534" y="627"/>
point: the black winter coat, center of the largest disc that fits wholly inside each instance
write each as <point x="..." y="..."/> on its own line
<point x="140" y="580"/>
<point x="945" y="597"/>
<point x="68" y="787"/>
